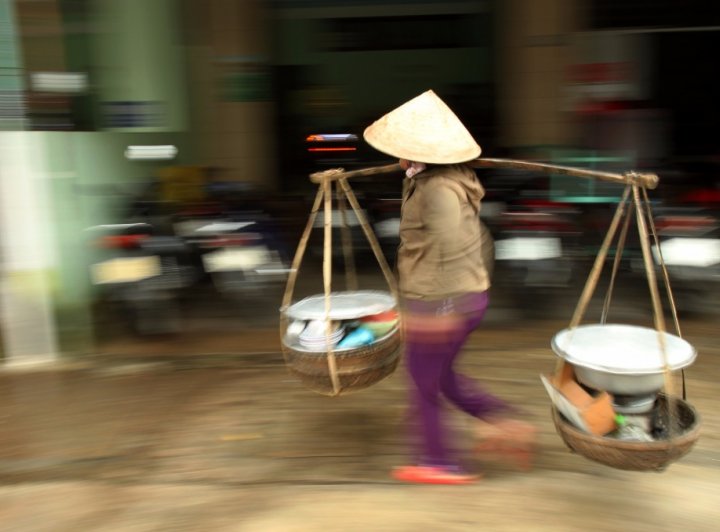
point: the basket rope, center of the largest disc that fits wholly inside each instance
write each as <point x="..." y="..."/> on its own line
<point x="592" y="280"/>
<point x="666" y="279"/>
<point x="327" y="284"/>
<point x="324" y="197"/>
<point x="351" y="282"/>
<point x="658" y="316"/>
<point x="639" y="203"/>
<point x="374" y="244"/>
<point x="616" y="264"/>
<point x="295" y="266"/>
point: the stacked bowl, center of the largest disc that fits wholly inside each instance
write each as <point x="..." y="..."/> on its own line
<point x="315" y="335"/>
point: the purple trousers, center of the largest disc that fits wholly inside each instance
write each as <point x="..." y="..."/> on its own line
<point x="430" y="354"/>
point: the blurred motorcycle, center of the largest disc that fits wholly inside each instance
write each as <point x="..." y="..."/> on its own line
<point x="689" y="234"/>
<point x="237" y="252"/>
<point x="536" y="246"/>
<point x="143" y="272"/>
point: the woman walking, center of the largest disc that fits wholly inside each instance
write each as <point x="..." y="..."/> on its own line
<point x="444" y="267"/>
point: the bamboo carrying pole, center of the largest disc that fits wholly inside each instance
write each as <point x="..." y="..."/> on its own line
<point x="644" y="180"/>
<point x="634" y="181"/>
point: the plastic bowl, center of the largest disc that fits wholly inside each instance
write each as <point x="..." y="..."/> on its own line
<point x="380" y="328"/>
<point x="388" y="316"/>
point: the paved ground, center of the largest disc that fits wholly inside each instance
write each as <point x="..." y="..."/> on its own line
<point x="155" y="442"/>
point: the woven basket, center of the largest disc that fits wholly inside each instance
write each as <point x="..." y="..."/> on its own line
<point x="635" y="455"/>
<point x="356" y="368"/>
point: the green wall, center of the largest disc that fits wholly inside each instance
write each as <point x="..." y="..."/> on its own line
<point x="86" y="172"/>
<point x="11" y="75"/>
<point x="139" y="57"/>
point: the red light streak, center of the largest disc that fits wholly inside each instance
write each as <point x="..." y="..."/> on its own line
<point x="332" y="149"/>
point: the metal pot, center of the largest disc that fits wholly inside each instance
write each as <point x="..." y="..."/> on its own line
<point x="633" y="405"/>
<point x="622" y="359"/>
<point x="620" y="383"/>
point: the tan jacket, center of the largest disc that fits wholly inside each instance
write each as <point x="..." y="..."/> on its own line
<point x="444" y="248"/>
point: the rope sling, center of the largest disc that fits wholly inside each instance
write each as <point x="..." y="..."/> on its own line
<point x="352" y="369"/>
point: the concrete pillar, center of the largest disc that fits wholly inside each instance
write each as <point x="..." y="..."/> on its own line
<point x="230" y="82"/>
<point x="27" y="323"/>
<point x="27" y="326"/>
<point x="140" y="65"/>
<point x="535" y="48"/>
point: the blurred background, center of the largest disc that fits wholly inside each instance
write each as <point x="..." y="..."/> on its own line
<point x="154" y="154"/>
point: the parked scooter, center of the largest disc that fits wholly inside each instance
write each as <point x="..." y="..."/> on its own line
<point x="689" y="234"/>
<point x="237" y="252"/>
<point x="143" y="272"/>
<point x="536" y="247"/>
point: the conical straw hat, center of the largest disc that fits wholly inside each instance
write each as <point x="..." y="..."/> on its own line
<point x="424" y="130"/>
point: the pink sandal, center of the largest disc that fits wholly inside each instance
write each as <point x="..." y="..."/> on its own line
<point x="432" y="475"/>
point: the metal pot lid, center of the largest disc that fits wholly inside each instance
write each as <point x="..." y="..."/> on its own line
<point x="622" y="349"/>
<point x="343" y="305"/>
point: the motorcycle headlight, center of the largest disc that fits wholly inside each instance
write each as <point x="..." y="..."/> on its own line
<point x="701" y="252"/>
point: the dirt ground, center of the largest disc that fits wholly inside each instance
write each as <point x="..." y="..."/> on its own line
<point x="148" y="440"/>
